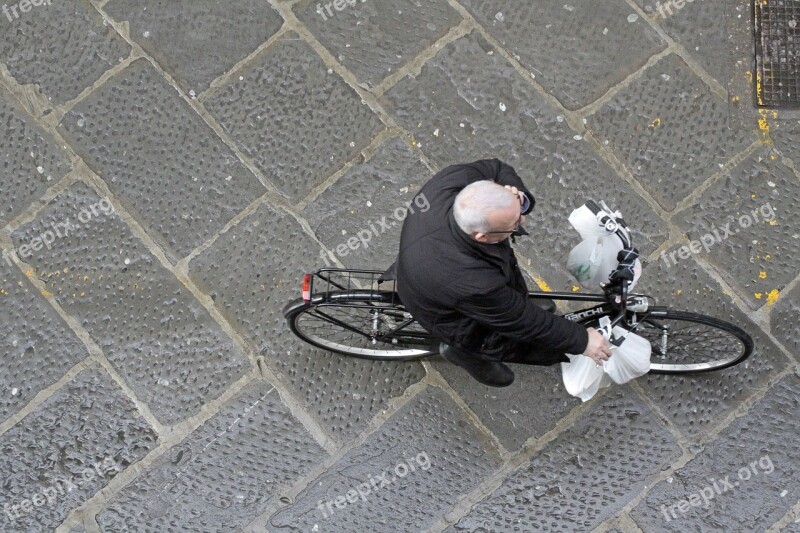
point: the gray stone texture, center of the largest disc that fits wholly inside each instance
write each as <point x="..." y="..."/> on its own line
<point x="757" y="496"/>
<point x="709" y="30"/>
<point x="37" y="346"/>
<point x="64" y="62"/>
<point x="224" y="474"/>
<point x="160" y="339"/>
<point x="469" y="104"/>
<point x="297" y="119"/>
<point x="370" y="201"/>
<point x="583" y="477"/>
<point x="166" y="164"/>
<point x="70" y="447"/>
<point x="374" y="39"/>
<point x="761" y="253"/>
<point x="430" y="435"/>
<point x="698" y="403"/>
<point x="785" y="133"/>
<point x="220" y="120"/>
<point x="529" y="408"/>
<point x="251" y="272"/>
<point x="718" y="36"/>
<point x="32" y="161"/>
<point x="549" y="39"/>
<point x="193" y="40"/>
<point x="670" y="130"/>
<point x="784" y="323"/>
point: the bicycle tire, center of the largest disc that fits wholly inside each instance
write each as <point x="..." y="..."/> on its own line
<point x="299" y="315"/>
<point x="660" y="363"/>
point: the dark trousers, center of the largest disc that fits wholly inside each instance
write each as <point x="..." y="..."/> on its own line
<point x="514" y="353"/>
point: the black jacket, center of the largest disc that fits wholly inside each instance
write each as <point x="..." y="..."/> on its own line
<point x="469" y="294"/>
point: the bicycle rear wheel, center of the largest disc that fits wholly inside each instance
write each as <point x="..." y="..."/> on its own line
<point x="685" y="342"/>
<point x="362" y="323"/>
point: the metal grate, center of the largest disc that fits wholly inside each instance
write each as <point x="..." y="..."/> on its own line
<point x="777" y="53"/>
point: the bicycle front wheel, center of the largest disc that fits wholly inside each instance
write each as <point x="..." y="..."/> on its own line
<point x="361" y="323"/>
<point x="685" y="342"/>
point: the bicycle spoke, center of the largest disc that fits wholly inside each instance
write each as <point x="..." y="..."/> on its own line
<point x="367" y="329"/>
<point x="688" y="342"/>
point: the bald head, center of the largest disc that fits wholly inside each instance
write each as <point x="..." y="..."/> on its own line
<point x="484" y="206"/>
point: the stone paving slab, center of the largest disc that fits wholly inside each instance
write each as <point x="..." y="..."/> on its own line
<point x="374" y="38"/>
<point x="529" y="408"/>
<point x="749" y="476"/>
<point x="758" y="205"/>
<point x="297" y="119"/>
<point x="37" y="346"/>
<point x="785" y="133"/>
<point x="671" y="131"/>
<point x="794" y="527"/>
<point x="549" y="39"/>
<point x="153" y="331"/>
<point x="710" y="30"/>
<point x="414" y="466"/>
<point x="251" y="272"/>
<point x="486" y="111"/>
<point x="359" y="217"/>
<point x="70" y="447"/>
<point x="63" y="62"/>
<point x="784" y="322"/>
<point x="698" y="403"/>
<point x="32" y="161"/>
<point x="289" y="111"/>
<point x="224" y="474"/>
<point x="193" y="40"/>
<point x="165" y="163"/>
<point x="583" y="477"/>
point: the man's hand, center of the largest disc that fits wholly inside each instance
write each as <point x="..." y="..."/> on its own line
<point x="524" y="201"/>
<point x="513" y="190"/>
<point x="597" y="348"/>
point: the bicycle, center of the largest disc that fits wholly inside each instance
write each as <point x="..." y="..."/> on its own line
<point x="359" y="313"/>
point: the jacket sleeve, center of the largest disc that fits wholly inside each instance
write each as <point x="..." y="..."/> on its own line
<point x="513" y="315"/>
<point x="456" y="177"/>
<point x="499" y="172"/>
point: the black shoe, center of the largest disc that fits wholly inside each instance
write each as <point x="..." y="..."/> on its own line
<point x="491" y="373"/>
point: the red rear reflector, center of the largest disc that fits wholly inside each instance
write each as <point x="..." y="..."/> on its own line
<point x="307" y="287"/>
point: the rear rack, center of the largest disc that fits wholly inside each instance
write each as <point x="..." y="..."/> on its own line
<point x="328" y="284"/>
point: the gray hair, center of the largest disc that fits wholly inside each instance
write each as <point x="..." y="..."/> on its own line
<point x="474" y="203"/>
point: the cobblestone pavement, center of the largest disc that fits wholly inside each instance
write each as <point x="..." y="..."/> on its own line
<point x="170" y="167"/>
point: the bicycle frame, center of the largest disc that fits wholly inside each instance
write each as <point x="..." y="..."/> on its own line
<point x="367" y="284"/>
<point x="576" y="297"/>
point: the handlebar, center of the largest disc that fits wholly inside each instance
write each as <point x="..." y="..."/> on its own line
<point x="612" y="223"/>
<point x="620" y="279"/>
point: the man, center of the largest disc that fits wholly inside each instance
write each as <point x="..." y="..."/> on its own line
<point x="458" y="276"/>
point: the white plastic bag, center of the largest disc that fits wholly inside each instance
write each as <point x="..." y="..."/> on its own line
<point x="593" y="260"/>
<point x="585" y="223"/>
<point x="583" y="377"/>
<point x="631" y="359"/>
<point x="595" y="257"/>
